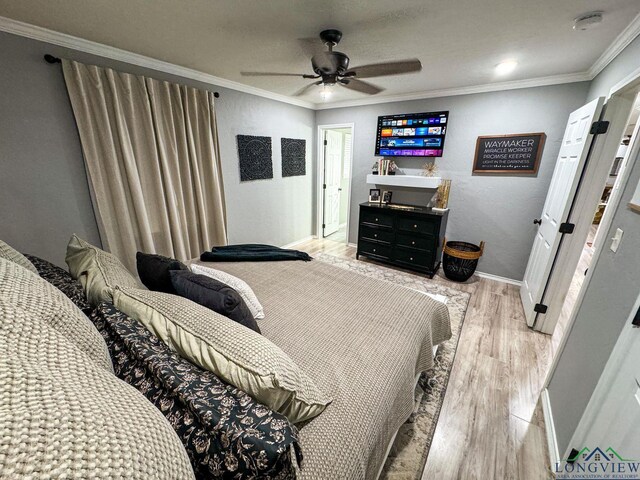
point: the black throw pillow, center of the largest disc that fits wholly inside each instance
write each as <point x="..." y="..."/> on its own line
<point x="153" y="271"/>
<point x="214" y="295"/>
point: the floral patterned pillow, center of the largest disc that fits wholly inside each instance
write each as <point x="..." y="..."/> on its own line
<point x="226" y="433"/>
<point x="62" y="280"/>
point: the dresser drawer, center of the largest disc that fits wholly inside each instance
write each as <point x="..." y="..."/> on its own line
<point x="419" y="225"/>
<point x="426" y="242"/>
<point x="376" y="234"/>
<point x="377" y="249"/>
<point x="375" y="218"/>
<point x="414" y="257"/>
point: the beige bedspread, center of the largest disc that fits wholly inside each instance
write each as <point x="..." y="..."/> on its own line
<point x="362" y="340"/>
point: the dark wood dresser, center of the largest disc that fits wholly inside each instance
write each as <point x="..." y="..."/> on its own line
<point x="407" y="236"/>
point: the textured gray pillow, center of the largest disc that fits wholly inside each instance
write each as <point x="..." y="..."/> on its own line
<point x="9" y="253"/>
<point x="236" y="354"/>
<point x="62" y="416"/>
<point x="98" y="271"/>
<point x="45" y="302"/>
<point x="214" y="295"/>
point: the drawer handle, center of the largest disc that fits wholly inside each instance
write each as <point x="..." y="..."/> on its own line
<point x="415" y="226"/>
<point x="374" y="249"/>
<point x="411" y="258"/>
<point x="375" y="235"/>
<point x="413" y="243"/>
<point x="376" y="219"/>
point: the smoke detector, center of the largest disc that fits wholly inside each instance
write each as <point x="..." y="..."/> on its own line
<point x="587" y="21"/>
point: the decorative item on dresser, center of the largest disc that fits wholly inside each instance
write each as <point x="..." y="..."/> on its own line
<point x="408" y="236"/>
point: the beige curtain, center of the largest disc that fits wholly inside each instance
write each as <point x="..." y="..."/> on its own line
<point x="152" y="158"/>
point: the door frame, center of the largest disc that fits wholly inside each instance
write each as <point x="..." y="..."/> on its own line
<point x="621" y="98"/>
<point x="320" y="175"/>
<point x="617" y="109"/>
<point x="607" y="379"/>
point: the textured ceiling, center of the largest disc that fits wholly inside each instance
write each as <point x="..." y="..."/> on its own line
<point x="459" y="41"/>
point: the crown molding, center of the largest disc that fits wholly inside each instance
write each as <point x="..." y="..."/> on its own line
<point x="627" y="36"/>
<point x="69" y="41"/>
<point x="449" y="92"/>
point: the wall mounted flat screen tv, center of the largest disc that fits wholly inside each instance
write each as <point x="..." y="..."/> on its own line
<point x="412" y="134"/>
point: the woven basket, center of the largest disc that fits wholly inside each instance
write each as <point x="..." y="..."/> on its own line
<point x="460" y="259"/>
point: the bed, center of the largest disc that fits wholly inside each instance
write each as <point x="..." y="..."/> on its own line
<point x="363" y="341"/>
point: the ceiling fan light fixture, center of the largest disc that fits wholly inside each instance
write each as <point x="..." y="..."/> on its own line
<point x="326" y="90"/>
<point x="506" y="67"/>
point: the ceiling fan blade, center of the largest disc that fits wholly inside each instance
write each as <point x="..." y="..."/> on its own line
<point x="388" y="68"/>
<point x="360" y="86"/>
<point x="271" y="74"/>
<point x="306" y="88"/>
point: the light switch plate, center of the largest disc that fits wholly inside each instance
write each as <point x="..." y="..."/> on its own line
<point x="615" y="241"/>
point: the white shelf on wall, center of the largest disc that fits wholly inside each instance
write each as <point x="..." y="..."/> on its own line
<point x="412" y="181"/>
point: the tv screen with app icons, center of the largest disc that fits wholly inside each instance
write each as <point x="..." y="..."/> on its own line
<point x="412" y="134"/>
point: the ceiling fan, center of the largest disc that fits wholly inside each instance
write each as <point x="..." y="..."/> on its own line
<point x="332" y="68"/>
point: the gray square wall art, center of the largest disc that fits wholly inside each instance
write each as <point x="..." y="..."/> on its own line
<point x="294" y="158"/>
<point x="255" y="157"/>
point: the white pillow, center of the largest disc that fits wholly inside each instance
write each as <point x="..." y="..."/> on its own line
<point x="237" y="284"/>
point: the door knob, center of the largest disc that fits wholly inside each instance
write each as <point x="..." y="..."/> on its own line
<point x="537" y="221"/>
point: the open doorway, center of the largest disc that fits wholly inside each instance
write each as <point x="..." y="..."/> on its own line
<point x="334" y="181"/>
<point x="553" y="280"/>
<point x="599" y="224"/>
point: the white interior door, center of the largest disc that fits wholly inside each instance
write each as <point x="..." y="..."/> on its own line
<point x="566" y="176"/>
<point x="612" y="417"/>
<point x="332" y="179"/>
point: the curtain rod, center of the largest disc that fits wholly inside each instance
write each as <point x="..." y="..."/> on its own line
<point x="51" y="59"/>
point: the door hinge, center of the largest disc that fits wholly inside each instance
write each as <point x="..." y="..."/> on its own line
<point x="573" y="456"/>
<point x="324" y="186"/>
<point x="599" y="127"/>
<point x="636" y="320"/>
<point x="323" y="225"/>
<point x="325" y="142"/>
<point x="567" y="228"/>
<point x="540" y="308"/>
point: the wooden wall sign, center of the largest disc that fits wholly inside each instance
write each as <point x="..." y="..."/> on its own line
<point x="517" y="154"/>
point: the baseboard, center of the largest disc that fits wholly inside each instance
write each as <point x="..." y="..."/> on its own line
<point x="552" y="442"/>
<point x="299" y="242"/>
<point x="488" y="276"/>
<point x="498" y="278"/>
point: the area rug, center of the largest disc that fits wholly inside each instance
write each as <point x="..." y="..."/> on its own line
<point x="409" y="452"/>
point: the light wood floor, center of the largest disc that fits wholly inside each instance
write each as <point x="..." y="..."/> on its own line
<point x="490" y="426"/>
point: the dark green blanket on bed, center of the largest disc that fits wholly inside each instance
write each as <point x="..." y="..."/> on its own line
<point x="252" y="252"/>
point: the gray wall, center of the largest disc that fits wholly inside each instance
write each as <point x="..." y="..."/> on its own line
<point x="625" y="63"/>
<point x="44" y="195"/>
<point x="498" y="210"/>
<point x="609" y="297"/>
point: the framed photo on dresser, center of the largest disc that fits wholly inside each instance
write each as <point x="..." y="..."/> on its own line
<point x="374" y="195"/>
